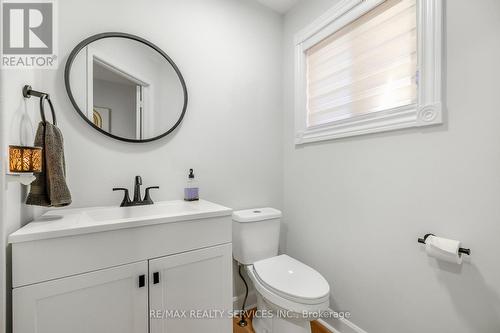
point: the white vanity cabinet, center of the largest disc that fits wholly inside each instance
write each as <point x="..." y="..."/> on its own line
<point x="108" y="300"/>
<point x="152" y="272"/>
<point x="195" y="283"/>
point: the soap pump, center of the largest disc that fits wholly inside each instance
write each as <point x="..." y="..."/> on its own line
<point x="191" y="191"/>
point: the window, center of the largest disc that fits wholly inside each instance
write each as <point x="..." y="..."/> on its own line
<point x="369" y="66"/>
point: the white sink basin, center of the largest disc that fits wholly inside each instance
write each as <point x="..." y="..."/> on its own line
<point x="70" y="222"/>
<point x="159" y="210"/>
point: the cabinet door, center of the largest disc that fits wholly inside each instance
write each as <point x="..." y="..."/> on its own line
<point x="113" y="300"/>
<point x="191" y="281"/>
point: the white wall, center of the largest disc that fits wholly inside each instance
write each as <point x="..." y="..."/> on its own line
<point x="229" y="52"/>
<point x="355" y="207"/>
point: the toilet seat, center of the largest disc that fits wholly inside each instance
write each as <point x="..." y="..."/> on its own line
<point x="292" y="280"/>
<point x="301" y="300"/>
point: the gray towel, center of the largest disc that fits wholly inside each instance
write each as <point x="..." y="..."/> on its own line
<point x="49" y="188"/>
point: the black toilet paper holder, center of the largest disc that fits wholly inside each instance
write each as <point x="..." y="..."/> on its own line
<point x="460" y="250"/>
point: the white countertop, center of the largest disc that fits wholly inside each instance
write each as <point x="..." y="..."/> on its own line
<point x="72" y="222"/>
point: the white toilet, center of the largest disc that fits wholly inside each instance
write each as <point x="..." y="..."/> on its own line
<point x="293" y="291"/>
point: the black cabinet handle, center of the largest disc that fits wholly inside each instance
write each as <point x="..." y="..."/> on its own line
<point x="156" y="277"/>
<point x="142" y="281"/>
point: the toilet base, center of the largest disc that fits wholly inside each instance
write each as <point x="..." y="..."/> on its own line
<point x="277" y="324"/>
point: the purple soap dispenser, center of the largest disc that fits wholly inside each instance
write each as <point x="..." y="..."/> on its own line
<point x="191" y="192"/>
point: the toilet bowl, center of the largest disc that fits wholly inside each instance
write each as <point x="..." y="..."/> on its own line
<point x="289" y="293"/>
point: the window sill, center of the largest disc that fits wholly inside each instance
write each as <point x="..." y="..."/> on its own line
<point x="394" y="119"/>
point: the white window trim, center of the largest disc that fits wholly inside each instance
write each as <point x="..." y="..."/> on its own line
<point x="429" y="107"/>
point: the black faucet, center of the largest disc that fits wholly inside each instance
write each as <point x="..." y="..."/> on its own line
<point x="137" y="188"/>
<point x="126" y="202"/>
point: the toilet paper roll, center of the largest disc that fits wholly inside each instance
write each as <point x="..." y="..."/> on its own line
<point x="443" y="249"/>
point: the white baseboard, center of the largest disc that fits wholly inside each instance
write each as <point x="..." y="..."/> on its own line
<point x="341" y="325"/>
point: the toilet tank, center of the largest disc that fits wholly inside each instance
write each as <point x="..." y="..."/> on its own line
<point x="256" y="234"/>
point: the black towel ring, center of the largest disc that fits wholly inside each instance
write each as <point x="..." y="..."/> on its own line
<point x="28" y="92"/>
<point x="42" y="109"/>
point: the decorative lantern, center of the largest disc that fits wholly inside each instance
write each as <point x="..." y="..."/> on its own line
<point x="24" y="159"/>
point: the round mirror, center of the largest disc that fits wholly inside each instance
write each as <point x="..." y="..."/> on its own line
<point x="126" y="87"/>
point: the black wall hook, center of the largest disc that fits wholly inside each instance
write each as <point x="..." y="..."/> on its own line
<point x="460" y="250"/>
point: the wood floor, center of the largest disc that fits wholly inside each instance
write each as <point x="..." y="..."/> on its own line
<point x="315" y="326"/>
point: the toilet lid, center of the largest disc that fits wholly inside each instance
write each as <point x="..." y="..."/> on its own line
<point x="291" y="277"/>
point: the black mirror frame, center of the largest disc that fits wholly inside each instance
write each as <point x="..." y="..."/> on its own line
<point x="94" y="38"/>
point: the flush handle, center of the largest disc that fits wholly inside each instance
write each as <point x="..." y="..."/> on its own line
<point x="142" y="281"/>
<point x="156" y="277"/>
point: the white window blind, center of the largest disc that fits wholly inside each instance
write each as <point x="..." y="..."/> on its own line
<point x="368" y="66"/>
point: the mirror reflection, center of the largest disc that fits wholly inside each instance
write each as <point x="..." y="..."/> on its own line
<point x="126" y="88"/>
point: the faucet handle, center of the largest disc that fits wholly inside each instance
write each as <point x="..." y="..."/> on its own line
<point x="138" y="180"/>
<point x="147" y="197"/>
<point x="126" y="199"/>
